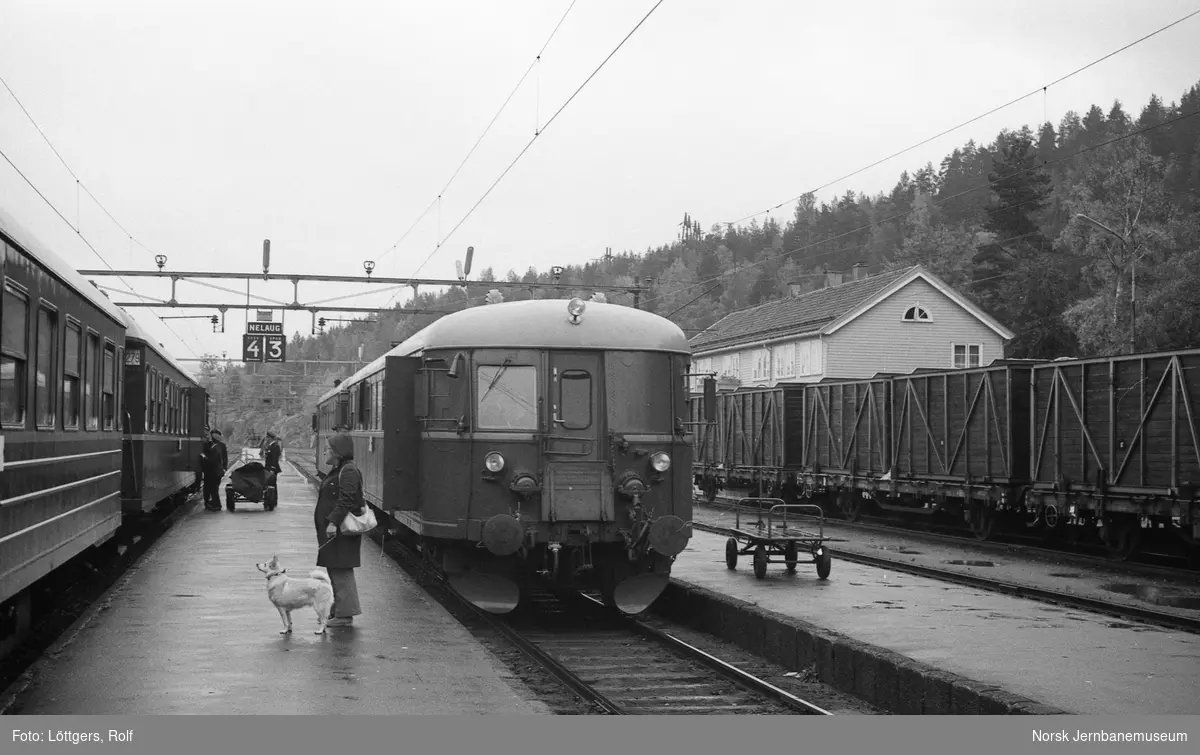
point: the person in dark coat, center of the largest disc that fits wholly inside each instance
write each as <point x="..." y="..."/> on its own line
<point x="340" y="493"/>
<point x="214" y="460"/>
<point x="273" y="452"/>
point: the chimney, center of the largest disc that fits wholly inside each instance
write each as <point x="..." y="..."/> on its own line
<point x="832" y="279"/>
<point x="794" y="288"/>
<point x="859" y="271"/>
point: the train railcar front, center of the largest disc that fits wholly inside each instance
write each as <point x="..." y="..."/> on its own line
<point x="60" y="447"/>
<point x="162" y="435"/>
<point x="537" y="440"/>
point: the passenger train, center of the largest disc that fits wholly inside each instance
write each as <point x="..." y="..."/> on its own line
<point x="99" y="425"/>
<point x="530" y="442"/>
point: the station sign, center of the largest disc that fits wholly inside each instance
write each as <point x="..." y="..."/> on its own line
<point x="264" y="328"/>
<point x="271" y="348"/>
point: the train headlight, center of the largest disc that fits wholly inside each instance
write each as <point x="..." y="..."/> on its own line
<point x="660" y="461"/>
<point x="575" y="309"/>
<point x="494" y="462"/>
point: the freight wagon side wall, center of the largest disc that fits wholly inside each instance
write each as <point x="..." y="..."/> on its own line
<point x="1127" y="422"/>
<point x="847" y="427"/>
<point x="963" y="424"/>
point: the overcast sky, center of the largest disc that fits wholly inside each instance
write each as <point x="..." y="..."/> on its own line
<point x="206" y="127"/>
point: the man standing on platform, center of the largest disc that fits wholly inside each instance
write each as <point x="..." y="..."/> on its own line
<point x="214" y="460"/>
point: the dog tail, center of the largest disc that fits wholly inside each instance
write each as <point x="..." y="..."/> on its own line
<point x="320" y="574"/>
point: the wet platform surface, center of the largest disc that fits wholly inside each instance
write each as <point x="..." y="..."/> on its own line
<point x="190" y="631"/>
<point x="1067" y="658"/>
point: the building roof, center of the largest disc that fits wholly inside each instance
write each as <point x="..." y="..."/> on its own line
<point x="539" y="324"/>
<point x="794" y="315"/>
<point x="824" y="311"/>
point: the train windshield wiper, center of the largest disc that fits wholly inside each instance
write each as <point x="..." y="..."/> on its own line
<point x="496" y="379"/>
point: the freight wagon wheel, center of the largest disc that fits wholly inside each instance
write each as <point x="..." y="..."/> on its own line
<point x="790" y="557"/>
<point x="731" y="553"/>
<point x="824" y="563"/>
<point x="982" y="521"/>
<point x="760" y="561"/>
<point x="1122" y="536"/>
<point x="851" y="506"/>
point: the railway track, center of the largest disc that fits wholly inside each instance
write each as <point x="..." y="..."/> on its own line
<point x="619" y="665"/>
<point x="1093" y="605"/>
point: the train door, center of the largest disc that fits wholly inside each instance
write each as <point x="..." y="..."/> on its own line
<point x="578" y="479"/>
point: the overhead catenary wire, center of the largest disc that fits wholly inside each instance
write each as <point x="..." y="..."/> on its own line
<point x="539" y="133"/>
<point x="79" y="185"/>
<point x="1042" y="89"/>
<point x="906" y="213"/>
<point x="488" y="128"/>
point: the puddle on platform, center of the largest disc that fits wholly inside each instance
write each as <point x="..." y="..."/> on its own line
<point x="1064" y="575"/>
<point x="959" y="562"/>
<point x="898" y="549"/>
<point x="1160" y="596"/>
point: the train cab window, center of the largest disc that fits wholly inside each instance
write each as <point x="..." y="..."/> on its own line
<point x="109" y="387"/>
<point x="46" y="386"/>
<point x="71" y="397"/>
<point x="507" y="397"/>
<point x="13" y="356"/>
<point x="575" y="399"/>
<point x="90" y="393"/>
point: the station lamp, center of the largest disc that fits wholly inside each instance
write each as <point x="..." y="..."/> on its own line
<point x="160" y="260"/>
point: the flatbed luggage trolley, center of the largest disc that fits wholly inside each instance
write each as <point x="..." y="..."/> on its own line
<point x="774" y="536"/>
<point x="252" y="482"/>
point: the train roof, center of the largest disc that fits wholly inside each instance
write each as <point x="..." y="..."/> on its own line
<point x="539" y="324"/>
<point x="34" y="248"/>
<point x="135" y="332"/>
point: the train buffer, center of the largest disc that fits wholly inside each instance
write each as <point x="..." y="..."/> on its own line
<point x="771" y="538"/>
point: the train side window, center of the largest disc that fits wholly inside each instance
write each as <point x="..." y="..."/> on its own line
<point x="575" y="399"/>
<point x="108" y="387"/>
<point x="119" y="383"/>
<point x="13" y="357"/>
<point x="507" y="397"/>
<point x="45" y="383"/>
<point x="365" y="405"/>
<point x="90" y="391"/>
<point x="71" y="397"/>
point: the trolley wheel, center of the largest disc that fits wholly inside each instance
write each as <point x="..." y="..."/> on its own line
<point x="790" y="557"/>
<point x="760" y="561"/>
<point x="824" y="563"/>
<point x="731" y="553"/>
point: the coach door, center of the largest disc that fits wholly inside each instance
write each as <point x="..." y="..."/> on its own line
<point x="578" y="481"/>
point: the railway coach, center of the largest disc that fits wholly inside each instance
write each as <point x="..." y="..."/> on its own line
<point x="163" y="425"/>
<point x="531" y="440"/>
<point x="60" y="451"/>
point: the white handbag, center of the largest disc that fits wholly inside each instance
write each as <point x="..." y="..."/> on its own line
<point x="358" y="524"/>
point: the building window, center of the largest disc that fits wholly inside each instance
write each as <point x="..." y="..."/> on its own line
<point x="785" y="360"/>
<point x="13" y="357"/>
<point x="967" y="355"/>
<point x="917" y="313"/>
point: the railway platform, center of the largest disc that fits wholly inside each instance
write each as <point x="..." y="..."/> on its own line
<point x="1067" y="659"/>
<point x="190" y="631"/>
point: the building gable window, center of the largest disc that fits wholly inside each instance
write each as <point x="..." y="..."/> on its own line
<point x="917" y="313"/>
<point x="966" y="355"/>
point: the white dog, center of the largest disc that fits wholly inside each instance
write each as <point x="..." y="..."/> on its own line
<point x="289" y="593"/>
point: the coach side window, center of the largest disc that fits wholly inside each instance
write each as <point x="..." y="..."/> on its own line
<point x="46" y="386"/>
<point x="13" y="357"/>
<point x="71" y="376"/>
<point x="109" y="387"/>
<point x="91" y="367"/>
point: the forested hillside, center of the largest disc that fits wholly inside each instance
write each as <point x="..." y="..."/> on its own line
<point x="997" y="221"/>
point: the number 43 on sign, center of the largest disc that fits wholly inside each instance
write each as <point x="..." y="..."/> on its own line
<point x="264" y="348"/>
